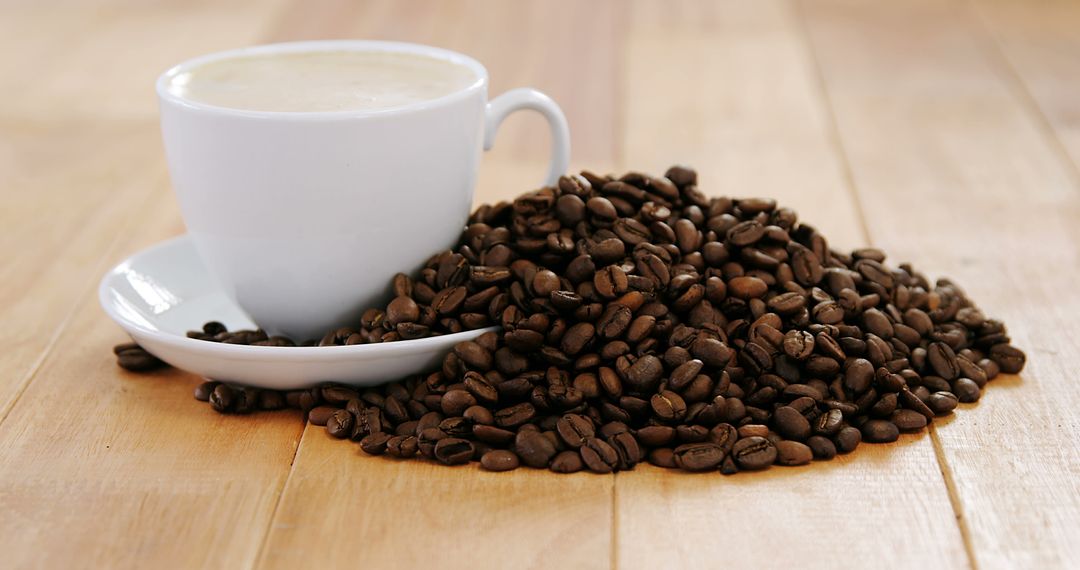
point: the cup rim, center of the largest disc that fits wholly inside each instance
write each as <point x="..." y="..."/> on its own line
<point x="480" y="83"/>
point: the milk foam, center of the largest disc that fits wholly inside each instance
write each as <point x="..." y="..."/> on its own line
<point x="322" y="81"/>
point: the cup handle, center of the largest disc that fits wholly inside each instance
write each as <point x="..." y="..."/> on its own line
<point x="526" y="98"/>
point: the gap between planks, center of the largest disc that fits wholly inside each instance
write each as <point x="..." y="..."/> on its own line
<point x="833" y="130"/>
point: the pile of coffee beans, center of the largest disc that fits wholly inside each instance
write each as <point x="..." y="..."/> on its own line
<point x="644" y="321"/>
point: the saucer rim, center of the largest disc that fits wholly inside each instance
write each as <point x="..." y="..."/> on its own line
<point x="244" y="351"/>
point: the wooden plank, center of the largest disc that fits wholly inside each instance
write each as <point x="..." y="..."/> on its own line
<point x="1041" y="47"/>
<point x="957" y="176"/>
<point x="99" y="59"/>
<point x="109" y="469"/>
<point x="79" y="150"/>
<point x="403" y="514"/>
<point x="342" y="508"/>
<point x="730" y="88"/>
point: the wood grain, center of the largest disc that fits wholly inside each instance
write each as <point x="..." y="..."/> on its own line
<point x="104" y="468"/>
<point x="1038" y="42"/>
<point x="762" y="128"/>
<point x="945" y="189"/>
<point x="927" y="122"/>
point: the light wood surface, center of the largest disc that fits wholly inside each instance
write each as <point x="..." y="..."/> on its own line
<point x="945" y="132"/>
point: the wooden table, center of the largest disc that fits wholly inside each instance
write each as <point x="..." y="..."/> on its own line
<point x="947" y="133"/>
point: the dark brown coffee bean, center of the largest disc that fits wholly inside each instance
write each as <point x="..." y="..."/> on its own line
<point x="746" y="233"/>
<point x="402" y="310"/>
<point x="966" y="390"/>
<point x="203" y="391"/>
<point x="403" y="446"/>
<point x="746" y="287"/>
<point x="859" y="375"/>
<point x="1009" y="359"/>
<point x="221" y="399"/>
<point x="601" y="211"/>
<point x="132" y="357"/>
<point x="712" y="352"/>
<point x="598" y="456"/>
<point x="822" y="447"/>
<point x="847" y="439"/>
<point x="568" y="461"/>
<point x="943" y="360"/>
<point x="908" y="420"/>
<point x="534" y="449"/>
<point x="455" y="402"/>
<point x="574" y="429"/>
<point x="668" y="406"/>
<point x="793" y="453"/>
<point x="627" y="449"/>
<point x="877" y="323"/>
<point x="452" y="451"/>
<point x="880" y="431"/>
<point x="577" y="338"/>
<point x="662" y="457"/>
<point x="753" y="453"/>
<point x="375" y="443"/>
<point x="942" y="403"/>
<point x="645" y="374"/>
<point x="798" y="344"/>
<point x="499" y="460"/>
<point x="698" y="456"/>
<point x="791" y="424"/>
<point x="339" y="424"/>
<point x="514" y="416"/>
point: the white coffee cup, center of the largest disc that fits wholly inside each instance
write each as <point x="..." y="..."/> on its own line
<point x="304" y="217"/>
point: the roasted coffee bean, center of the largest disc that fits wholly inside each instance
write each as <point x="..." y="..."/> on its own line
<point x="746" y="233"/>
<point x="375" y="443"/>
<point x="698" y="456"/>
<point x="859" y="375"/>
<point x="568" y="461"/>
<point x="133" y="357"/>
<point x="791" y="424"/>
<point x="966" y="390"/>
<point x="908" y="420"/>
<point x="943" y="360"/>
<point x="746" y="287"/>
<point x="627" y="449"/>
<point x="880" y="431"/>
<point x="402" y="310"/>
<point x="798" y="344"/>
<point x="574" y="429"/>
<point x="203" y="391"/>
<point x="1011" y="360"/>
<point x="793" y="453"/>
<point x="598" y="456"/>
<point x="403" y="446"/>
<point x="221" y="399"/>
<point x="515" y="415"/>
<point x="638" y="315"/>
<point x="668" y="406"/>
<point x="847" y="439"/>
<point x="452" y="450"/>
<point x="499" y="460"/>
<point x="534" y="449"/>
<point x="822" y="447"/>
<point x="339" y="424"/>
<point x="753" y="453"/>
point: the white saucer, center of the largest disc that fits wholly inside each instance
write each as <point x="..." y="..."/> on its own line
<point x="162" y="292"/>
